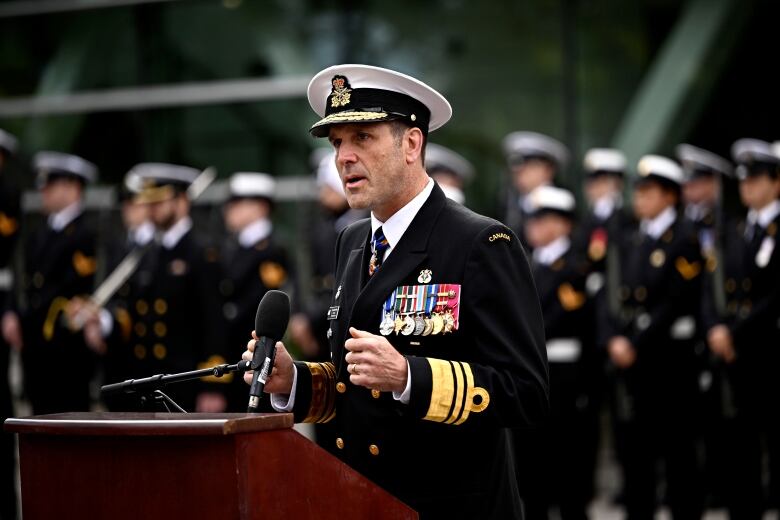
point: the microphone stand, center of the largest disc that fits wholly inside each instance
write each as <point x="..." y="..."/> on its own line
<point x="150" y="387"/>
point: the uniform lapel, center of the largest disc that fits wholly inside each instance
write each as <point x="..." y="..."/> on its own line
<point x="406" y="255"/>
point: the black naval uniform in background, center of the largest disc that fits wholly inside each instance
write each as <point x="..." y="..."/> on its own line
<point x="447" y="453"/>
<point x="171" y="319"/>
<point x="10" y="220"/>
<point x="58" y="266"/>
<point x="566" y="464"/>
<point x="655" y="397"/>
<point x="751" y="272"/>
<point x="247" y="274"/>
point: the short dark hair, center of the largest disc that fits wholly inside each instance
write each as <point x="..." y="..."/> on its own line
<point x="398" y="127"/>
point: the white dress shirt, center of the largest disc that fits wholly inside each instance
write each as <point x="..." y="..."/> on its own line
<point x="657" y="226"/>
<point x="258" y="230"/>
<point x="60" y="220"/>
<point x="172" y="237"/>
<point x="549" y="254"/>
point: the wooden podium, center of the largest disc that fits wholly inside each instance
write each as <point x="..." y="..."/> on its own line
<point x="211" y="466"/>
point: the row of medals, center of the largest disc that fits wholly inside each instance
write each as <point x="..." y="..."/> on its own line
<point x="419" y="325"/>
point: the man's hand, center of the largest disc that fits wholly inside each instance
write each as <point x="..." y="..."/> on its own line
<point x="301" y="334"/>
<point x="281" y="378"/>
<point x="210" y="402"/>
<point x="12" y="330"/>
<point x="85" y="314"/>
<point x="621" y="352"/>
<point x="374" y="363"/>
<point x="721" y="343"/>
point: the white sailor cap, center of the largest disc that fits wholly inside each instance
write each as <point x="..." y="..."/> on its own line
<point x="754" y="157"/>
<point x="520" y="146"/>
<point x="252" y="185"/>
<point x="364" y="94"/>
<point x="161" y="181"/>
<point x="549" y="199"/>
<point x="660" y="169"/>
<point x="604" y="161"/>
<point x="697" y="162"/>
<point x="8" y="143"/>
<point x="328" y="174"/>
<point x="49" y="165"/>
<point x="439" y="158"/>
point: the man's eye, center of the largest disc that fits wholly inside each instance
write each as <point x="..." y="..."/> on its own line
<point x="363" y="136"/>
<point x="336" y="143"/>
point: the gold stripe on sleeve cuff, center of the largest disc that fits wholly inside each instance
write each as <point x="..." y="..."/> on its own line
<point x="323" y="393"/>
<point x="453" y="393"/>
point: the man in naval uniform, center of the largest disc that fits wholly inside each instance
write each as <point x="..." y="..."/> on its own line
<point x="436" y="334"/>
<point x="705" y="176"/>
<point x="252" y="263"/>
<point x="746" y="333"/>
<point x="10" y="217"/>
<point x="170" y="320"/>
<point x="562" y="459"/>
<point x="59" y="264"/>
<point x="534" y="160"/>
<point x="651" y="343"/>
<point x="451" y="171"/>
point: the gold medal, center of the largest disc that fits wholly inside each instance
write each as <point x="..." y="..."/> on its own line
<point x="399" y="324"/>
<point x="428" y="326"/>
<point x="438" y="323"/>
<point x="449" y="321"/>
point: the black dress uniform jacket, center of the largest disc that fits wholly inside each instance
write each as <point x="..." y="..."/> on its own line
<point x="659" y="292"/>
<point x="58" y="266"/>
<point x="172" y="316"/>
<point x="750" y="271"/>
<point x="571" y="437"/>
<point x="446" y="453"/>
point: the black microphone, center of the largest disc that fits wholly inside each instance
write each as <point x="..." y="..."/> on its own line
<point x="273" y="313"/>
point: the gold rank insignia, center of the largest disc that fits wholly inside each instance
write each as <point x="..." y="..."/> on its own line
<point x="688" y="270"/>
<point x="598" y="244"/>
<point x="341" y="93"/>
<point x="8" y="225"/>
<point x="272" y="274"/>
<point x="570" y="298"/>
<point x="657" y="258"/>
<point x="83" y="264"/>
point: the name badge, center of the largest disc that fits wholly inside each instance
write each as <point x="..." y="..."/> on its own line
<point x="333" y="313"/>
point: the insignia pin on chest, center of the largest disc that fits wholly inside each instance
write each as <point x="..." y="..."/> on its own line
<point x="425" y="276"/>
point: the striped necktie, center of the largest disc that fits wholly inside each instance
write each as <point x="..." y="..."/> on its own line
<point x="379" y="245"/>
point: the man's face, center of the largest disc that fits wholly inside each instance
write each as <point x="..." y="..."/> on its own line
<point x="757" y="191"/>
<point x="531" y="174"/>
<point x="544" y="229"/>
<point x="701" y="190"/>
<point x="134" y="214"/>
<point x="164" y="213"/>
<point x="242" y="212"/>
<point x="371" y="165"/>
<point x="59" y="193"/>
<point x="650" y="199"/>
<point x="601" y="186"/>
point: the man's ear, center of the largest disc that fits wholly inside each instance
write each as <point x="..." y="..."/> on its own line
<point x="412" y="144"/>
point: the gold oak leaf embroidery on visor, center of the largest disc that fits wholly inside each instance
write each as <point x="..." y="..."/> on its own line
<point x="454" y="395"/>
